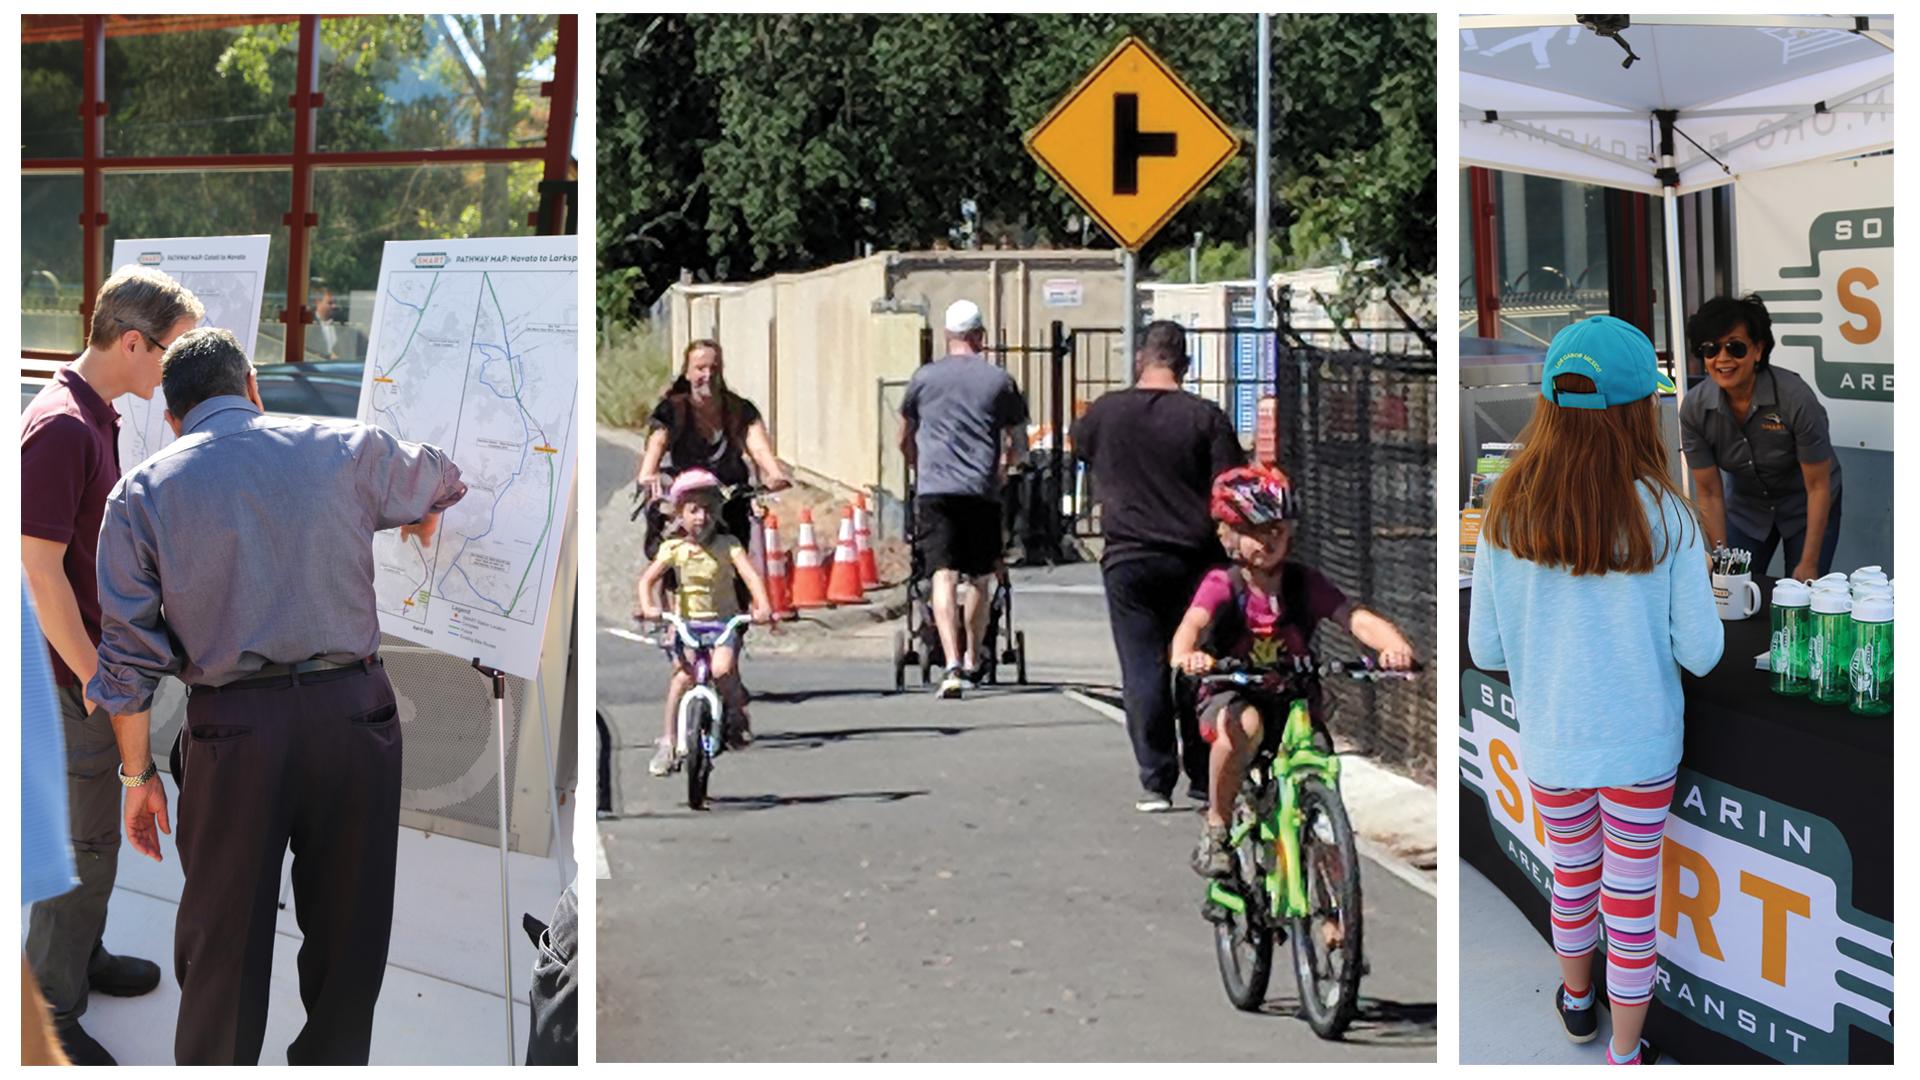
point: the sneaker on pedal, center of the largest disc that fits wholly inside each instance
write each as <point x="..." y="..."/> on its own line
<point x="662" y="762"/>
<point x="1212" y="859"/>
<point x="1581" y="1021"/>
<point x="953" y="685"/>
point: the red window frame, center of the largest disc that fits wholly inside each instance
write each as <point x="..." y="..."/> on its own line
<point x="555" y="153"/>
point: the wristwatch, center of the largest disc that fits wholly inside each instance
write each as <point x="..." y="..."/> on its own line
<point x="136" y="781"/>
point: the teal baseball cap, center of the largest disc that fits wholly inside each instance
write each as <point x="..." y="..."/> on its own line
<point x="1613" y="353"/>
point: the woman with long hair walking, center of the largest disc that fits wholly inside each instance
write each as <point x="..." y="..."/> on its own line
<point x="1591" y="590"/>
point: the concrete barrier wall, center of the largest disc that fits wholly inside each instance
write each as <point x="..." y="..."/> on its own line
<point x="812" y="350"/>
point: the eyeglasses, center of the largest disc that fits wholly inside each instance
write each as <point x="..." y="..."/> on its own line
<point x="1707" y="350"/>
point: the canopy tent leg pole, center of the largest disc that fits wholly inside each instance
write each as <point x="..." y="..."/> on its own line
<point x="1676" y="311"/>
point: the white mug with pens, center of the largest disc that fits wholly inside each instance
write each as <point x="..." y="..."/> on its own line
<point x="1735" y="593"/>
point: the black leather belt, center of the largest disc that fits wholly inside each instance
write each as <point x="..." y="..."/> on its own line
<point x="296" y="674"/>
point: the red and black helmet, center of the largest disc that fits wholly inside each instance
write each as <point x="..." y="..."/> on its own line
<point x="1253" y="496"/>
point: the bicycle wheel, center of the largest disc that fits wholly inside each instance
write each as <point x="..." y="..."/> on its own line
<point x="1327" y="942"/>
<point x="699" y="764"/>
<point x="1242" y="942"/>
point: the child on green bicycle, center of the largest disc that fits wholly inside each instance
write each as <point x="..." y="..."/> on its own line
<point x="1259" y="609"/>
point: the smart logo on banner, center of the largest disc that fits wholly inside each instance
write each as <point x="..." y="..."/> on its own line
<point x="1758" y="941"/>
<point x="1816" y="243"/>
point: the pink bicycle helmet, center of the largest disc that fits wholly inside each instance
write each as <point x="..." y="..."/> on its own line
<point x="692" y="482"/>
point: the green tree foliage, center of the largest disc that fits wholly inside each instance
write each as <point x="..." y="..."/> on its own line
<point x="732" y="146"/>
<point x="387" y="82"/>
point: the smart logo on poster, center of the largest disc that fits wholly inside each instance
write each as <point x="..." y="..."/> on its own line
<point x="1845" y="313"/>
<point x="1815" y="243"/>
<point x="1758" y="941"/>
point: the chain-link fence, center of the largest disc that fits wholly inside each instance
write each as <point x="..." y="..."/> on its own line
<point x="1357" y="436"/>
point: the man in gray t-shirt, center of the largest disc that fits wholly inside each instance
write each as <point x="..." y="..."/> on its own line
<point x="957" y="426"/>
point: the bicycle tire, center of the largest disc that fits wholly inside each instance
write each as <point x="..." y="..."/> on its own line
<point x="699" y="765"/>
<point x="1330" y="862"/>
<point x="899" y="661"/>
<point x="1020" y="655"/>
<point x="1243" y="943"/>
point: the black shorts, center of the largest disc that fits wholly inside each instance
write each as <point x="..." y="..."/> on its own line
<point x="958" y="532"/>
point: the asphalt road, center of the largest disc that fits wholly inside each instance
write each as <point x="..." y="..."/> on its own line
<point x="898" y="878"/>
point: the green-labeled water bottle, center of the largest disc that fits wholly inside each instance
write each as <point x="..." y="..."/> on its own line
<point x="1830" y="652"/>
<point x="1792" y="618"/>
<point x="1872" y="670"/>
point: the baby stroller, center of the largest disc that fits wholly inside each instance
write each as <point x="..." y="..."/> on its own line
<point x="919" y="643"/>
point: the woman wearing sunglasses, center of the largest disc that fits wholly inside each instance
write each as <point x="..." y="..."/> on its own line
<point x="1766" y="430"/>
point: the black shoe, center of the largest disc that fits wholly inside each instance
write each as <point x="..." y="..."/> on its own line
<point x="124" y="976"/>
<point x="79" y="1046"/>
<point x="1581" y="1024"/>
<point x="1198" y="797"/>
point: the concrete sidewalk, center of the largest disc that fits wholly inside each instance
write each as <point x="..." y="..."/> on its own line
<point x="1507" y="981"/>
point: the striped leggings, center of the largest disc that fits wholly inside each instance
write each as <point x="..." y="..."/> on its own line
<point x="1605" y="844"/>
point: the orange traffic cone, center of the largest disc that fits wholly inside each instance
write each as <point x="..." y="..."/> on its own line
<point x="863" y="544"/>
<point x="809" y="577"/>
<point x="779" y="583"/>
<point x="844" y="586"/>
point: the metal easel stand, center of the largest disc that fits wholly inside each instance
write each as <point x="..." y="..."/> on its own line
<point x="499" y="681"/>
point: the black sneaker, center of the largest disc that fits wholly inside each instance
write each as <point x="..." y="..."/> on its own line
<point x="79" y="1046"/>
<point x="1152" y="802"/>
<point x="1581" y="1024"/>
<point x="1198" y="797"/>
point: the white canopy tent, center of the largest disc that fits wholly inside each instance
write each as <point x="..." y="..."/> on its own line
<point x="1704" y="99"/>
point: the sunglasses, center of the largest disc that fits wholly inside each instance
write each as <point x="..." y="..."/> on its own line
<point x="1707" y="350"/>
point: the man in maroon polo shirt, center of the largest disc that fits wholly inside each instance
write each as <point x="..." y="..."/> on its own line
<point x="69" y="462"/>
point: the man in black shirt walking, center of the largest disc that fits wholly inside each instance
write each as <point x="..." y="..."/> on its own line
<point x="1154" y="450"/>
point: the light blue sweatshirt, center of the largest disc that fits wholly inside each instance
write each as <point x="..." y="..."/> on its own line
<point x="1596" y="659"/>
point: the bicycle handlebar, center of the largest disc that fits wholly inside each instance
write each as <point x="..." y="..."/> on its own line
<point x="1230" y="671"/>
<point x="681" y="631"/>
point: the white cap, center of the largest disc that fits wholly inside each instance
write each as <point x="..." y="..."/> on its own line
<point x="1790" y="593"/>
<point x="1836" y="578"/>
<point x="1831" y="602"/>
<point x="1873" y="609"/>
<point x="963" y="317"/>
<point x="1868" y="573"/>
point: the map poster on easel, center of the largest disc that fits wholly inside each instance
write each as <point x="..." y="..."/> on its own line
<point x="475" y="349"/>
<point x="228" y="274"/>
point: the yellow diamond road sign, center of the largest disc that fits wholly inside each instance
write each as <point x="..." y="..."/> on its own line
<point x="1132" y="143"/>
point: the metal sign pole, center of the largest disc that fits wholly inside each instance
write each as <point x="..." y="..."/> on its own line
<point x="1130" y="316"/>
<point x="1262" y="178"/>
<point x="499" y="681"/>
<point x="560" y="838"/>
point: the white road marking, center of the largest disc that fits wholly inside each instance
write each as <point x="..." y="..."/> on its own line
<point x="600" y="868"/>
<point x="1373" y="852"/>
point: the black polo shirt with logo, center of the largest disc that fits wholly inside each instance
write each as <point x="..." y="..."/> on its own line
<point x="1785" y="428"/>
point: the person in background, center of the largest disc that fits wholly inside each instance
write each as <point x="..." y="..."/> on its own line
<point x="240" y="559"/>
<point x="1154" y="450"/>
<point x="46" y="851"/>
<point x="1765" y="429"/>
<point x="958" y="421"/>
<point x="69" y="461"/>
<point x="1591" y="588"/>
<point x="701" y="424"/>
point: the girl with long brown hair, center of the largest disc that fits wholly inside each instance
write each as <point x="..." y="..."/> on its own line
<point x="1590" y="589"/>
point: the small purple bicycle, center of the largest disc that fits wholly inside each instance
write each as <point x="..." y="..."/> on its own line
<point x="697" y="738"/>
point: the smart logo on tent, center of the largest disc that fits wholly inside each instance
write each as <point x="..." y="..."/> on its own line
<point x="1842" y="314"/>
<point x="1758" y="938"/>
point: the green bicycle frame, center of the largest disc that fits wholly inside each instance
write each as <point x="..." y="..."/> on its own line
<point x="1298" y="758"/>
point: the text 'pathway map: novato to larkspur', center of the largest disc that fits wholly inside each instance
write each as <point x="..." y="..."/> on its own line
<point x="475" y="349"/>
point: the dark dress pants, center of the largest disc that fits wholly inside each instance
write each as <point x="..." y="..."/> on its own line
<point x="314" y="766"/>
<point x="1146" y="597"/>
